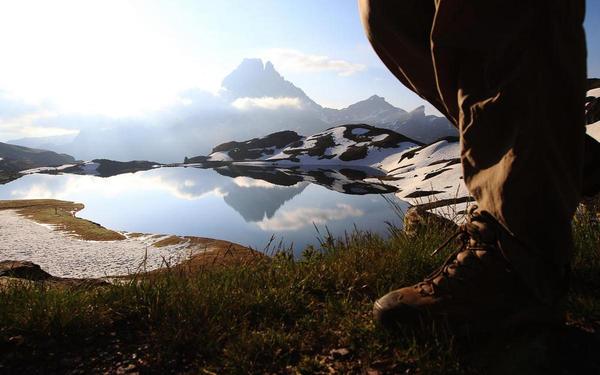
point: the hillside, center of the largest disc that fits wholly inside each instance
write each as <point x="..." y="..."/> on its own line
<point x="98" y="167"/>
<point x="17" y="158"/>
<point x="356" y="144"/>
<point x="14" y="159"/>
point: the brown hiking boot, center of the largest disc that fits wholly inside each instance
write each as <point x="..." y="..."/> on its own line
<point x="474" y="285"/>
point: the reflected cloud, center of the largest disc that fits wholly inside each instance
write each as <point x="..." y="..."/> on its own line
<point x="203" y="202"/>
<point x="247" y="182"/>
<point x="176" y="183"/>
<point x="258" y="195"/>
<point x="301" y="217"/>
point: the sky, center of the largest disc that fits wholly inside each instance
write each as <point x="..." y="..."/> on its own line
<point x="120" y="58"/>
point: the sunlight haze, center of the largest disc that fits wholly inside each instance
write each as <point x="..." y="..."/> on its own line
<point x="122" y="59"/>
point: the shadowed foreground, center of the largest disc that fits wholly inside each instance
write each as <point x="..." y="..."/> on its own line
<point x="279" y="315"/>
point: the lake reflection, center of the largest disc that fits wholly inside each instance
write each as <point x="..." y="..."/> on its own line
<point x="244" y="205"/>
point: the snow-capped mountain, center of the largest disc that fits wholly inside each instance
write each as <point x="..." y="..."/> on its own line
<point x="254" y="149"/>
<point x="415" y="171"/>
<point x="356" y="144"/>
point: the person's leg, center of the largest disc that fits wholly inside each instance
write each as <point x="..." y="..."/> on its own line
<point x="399" y="33"/>
<point x="500" y="71"/>
<point x="591" y="168"/>
<point x="516" y="72"/>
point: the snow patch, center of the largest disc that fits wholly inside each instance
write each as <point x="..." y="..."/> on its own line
<point x="219" y="156"/>
<point x="65" y="256"/>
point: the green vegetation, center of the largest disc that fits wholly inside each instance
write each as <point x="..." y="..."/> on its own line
<point x="170" y="241"/>
<point x="61" y="214"/>
<point x="17" y="158"/>
<point x="280" y="315"/>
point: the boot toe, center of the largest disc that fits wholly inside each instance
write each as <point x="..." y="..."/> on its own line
<point x="392" y="311"/>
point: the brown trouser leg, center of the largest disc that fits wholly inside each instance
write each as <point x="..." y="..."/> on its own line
<point x="511" y="75"/>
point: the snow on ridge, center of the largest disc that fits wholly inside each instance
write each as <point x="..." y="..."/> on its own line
<point x="344" y="145"/>
<point x="47" y="169"/>
<point x="220" y="156"/>
<point x="427" y="173"/>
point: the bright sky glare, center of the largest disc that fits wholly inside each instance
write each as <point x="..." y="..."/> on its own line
<point x="123" y="58"/>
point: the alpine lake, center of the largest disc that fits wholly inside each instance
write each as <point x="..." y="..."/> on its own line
<point x="263" y="208"/>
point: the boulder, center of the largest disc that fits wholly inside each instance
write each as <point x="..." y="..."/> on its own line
<point x="22" y="270"/>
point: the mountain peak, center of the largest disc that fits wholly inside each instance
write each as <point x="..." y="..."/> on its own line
<point x="419" y="110"/>
<point x="374" y="103"/>
<point x="251" y="63"/>
<point x="255" y="66"/>
<point x="255" y="79"/>
<point x="376" y="98"/>
<point x="269" y="67"/>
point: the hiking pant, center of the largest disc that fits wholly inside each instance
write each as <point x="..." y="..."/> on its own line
<point x="511" y="75"/>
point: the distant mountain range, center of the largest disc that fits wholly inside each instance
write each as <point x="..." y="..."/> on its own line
<point x="18" y="158"/>
<point x="255" y="100"/>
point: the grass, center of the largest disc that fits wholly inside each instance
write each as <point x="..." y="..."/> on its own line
<point x="277" y="314"/>
<point x="170" y="241"/>
<point x="61" y="214"/>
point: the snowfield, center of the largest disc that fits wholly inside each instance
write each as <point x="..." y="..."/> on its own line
<point x="65" y="256"/>
<point x="433" y="170"/>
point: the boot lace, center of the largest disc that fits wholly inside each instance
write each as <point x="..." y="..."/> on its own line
<point x="467" y="231"/>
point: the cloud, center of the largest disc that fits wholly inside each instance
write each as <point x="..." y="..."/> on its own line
<point x="294" y="60"/>
<point x="22" y="119"/>
<point x="182" y="184"/>
<point x="301" y="217"/>
<point x="267" y="103"/>
<point x="247" y="182"/>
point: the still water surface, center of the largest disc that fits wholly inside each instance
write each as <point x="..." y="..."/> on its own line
<point x="246" y="208"/>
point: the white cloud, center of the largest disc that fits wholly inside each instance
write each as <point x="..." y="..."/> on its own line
<point x="294" y="60"/>
<point x="301" y="217"/>
<point x="25" y="125"/>
<point x="267" y="103"/>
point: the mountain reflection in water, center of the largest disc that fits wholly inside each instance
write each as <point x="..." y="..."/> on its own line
<point x="244" y="204"/>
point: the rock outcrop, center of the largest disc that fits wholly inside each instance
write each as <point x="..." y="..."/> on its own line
<point x="19" y="272"/>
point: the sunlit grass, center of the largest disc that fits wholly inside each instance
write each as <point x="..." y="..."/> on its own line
<point x="279" y="314"/>
<point x="61" y="215"/>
